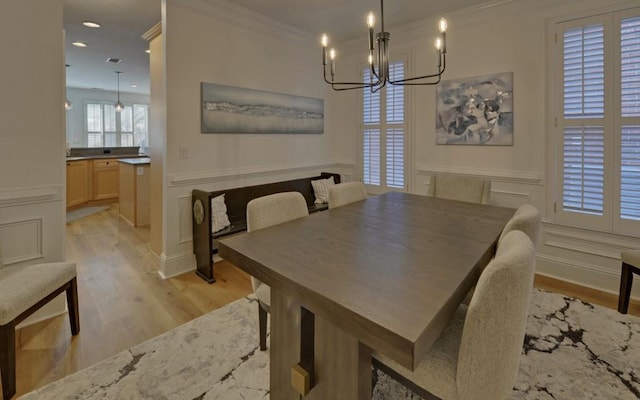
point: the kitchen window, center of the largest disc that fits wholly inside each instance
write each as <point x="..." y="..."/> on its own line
<point x="107" y="128"/>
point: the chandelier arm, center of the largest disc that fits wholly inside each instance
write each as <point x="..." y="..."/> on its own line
<point x="355" y="85"/>
<point x="338" y="89"/>
<point x="418" y="83"/>
<point x="436" y="75"/>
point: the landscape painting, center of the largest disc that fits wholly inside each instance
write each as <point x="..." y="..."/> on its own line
<point x="230" y="109"/>
<point x="475" y="111"/>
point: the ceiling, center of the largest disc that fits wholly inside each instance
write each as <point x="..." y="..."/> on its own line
<point x="124" y="21"/>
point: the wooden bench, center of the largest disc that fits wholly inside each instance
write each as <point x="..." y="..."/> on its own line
<point x="236" y="199"/>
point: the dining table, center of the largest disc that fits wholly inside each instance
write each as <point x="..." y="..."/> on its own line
<point x="379" y="276"/>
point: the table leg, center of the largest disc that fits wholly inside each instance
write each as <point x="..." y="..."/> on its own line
<point x="342" y="364"/>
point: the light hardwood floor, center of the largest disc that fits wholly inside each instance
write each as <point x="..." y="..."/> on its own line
<point x="124" y="302"/>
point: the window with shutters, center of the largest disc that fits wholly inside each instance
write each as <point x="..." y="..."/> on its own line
<point x="383" y="133"/>
<point x="597" y="121"/>
<point x="107" y="128"/>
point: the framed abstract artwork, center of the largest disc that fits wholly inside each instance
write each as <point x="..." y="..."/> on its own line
<point x="475" y="111"/>
<point x="231" y="109"/>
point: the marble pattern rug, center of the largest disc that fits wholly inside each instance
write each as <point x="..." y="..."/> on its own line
<point x="572" y="350"/>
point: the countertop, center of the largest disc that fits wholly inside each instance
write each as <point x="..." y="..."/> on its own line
<point x="101" y="156"/>
<point x="135" y="161"/>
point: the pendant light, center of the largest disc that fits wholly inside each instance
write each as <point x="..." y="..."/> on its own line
<point x="119" y="106"/>
<point x="67" y="103"/>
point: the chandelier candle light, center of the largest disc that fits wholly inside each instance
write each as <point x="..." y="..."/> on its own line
<point x="379" y="59"/>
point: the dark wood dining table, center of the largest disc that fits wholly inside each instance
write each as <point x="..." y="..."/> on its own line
<point x="382" y="275"/>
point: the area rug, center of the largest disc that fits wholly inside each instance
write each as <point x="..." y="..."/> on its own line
<point x="572" y="350"/>
<point x="83" y="212"/>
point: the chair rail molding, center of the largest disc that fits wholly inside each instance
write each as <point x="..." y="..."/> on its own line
<point x="30" y="195"/>
<point x="511" y="176"/>
<point x="227" y="175"/>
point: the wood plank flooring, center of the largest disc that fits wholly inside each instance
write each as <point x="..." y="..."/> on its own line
<point x="124" y="302"/>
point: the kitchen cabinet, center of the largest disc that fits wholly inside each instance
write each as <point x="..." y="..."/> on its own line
<point x="77" y="182"/>
<point x="105" y="179"/>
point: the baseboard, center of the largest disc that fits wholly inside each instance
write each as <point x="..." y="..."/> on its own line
<point x="176" y="265"/>
<point x="589" y="276"/>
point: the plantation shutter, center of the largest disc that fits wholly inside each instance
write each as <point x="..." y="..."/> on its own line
<point x="395" y="128"/>
<point x="630" y="113"/>
<point x="583" y="122"/>
<point x="94" y="125"/>
<point x="371" y="134"/>
<point x="383" y="118"/>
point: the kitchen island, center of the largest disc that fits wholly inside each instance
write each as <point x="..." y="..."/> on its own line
<point x="134" y="190"/>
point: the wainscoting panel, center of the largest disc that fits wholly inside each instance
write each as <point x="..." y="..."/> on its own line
<point x="509" y="199"/>
<point x="588" y="242"/>
<point x="186" y="218"/>
<point x="29" y="247"/>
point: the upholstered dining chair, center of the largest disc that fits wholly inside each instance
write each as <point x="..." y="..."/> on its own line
<point x="463" y="188"/>
<point x="526" y="219"/>
<point x="346" y="193"/>
<point x="23" y="290"/>
<point x="477" y="355"/>
<point x="630" y="266"/>
<point x="264" y="212"/>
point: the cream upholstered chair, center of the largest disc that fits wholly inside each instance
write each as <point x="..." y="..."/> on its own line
<point x="477" y="355"/>
<point x="346" y="193"/>
<point x="23" y="290"/>
<point x="462" y="188"/>
<point x="263" y="212"/>
<point x="526" y="219"/>
<point x="630" y="266"/>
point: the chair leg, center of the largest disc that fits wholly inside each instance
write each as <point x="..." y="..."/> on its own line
<point x="72" y="302"/>
<point x="626" y="279"/>
<point x="8" y="359"/>
<point x="262" y="322"/>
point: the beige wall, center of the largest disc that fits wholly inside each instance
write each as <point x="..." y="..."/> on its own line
<point x="218" y="44"/>
<point x="32" y="134"/>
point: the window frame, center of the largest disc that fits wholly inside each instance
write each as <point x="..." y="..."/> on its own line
<point x="118" y="132"/>
<point x="610" y="221"/>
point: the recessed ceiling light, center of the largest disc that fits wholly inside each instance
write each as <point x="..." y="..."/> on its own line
<point x="147" y="51"/>
<point x="79" y="44"/>
<point x="113" y="60"/>
<point x="134" y="86"/>
<point x="91" y="24"/>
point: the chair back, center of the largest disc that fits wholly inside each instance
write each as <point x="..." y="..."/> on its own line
<point x="526" y="219"/>
<point x="630" y="257"/>
<point x="494" y="326"/>
<point x="346" y="193"/>
<point x="462" y="188"/>
<point x="274" y="209"/>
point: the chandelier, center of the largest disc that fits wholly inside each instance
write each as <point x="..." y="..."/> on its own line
<point x="379" y="59"/>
